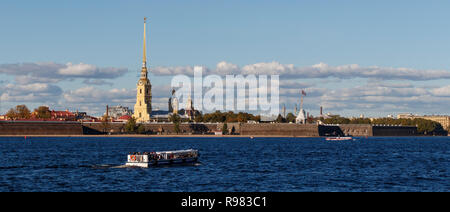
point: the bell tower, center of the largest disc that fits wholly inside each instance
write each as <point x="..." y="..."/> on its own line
<point x="143" y="106"/>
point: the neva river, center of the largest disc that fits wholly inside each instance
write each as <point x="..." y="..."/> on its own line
<point x="228" y="164"/>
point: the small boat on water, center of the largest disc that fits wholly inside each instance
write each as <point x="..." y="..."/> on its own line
<point x="166" y="157"/>
<point x="339" y="138"/>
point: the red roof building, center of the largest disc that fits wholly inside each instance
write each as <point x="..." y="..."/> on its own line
<point x="124" y="118"/>
<point x="63" y="115"/>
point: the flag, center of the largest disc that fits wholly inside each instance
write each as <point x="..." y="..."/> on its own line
<point x="303" y="93"/>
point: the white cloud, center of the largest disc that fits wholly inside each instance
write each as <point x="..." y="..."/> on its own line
<point x="226" y="68"/>
<point x="28" y="79"/>
<point x="382" y="99"/>
<point x="77" y="69"/>
<point x="97" y="82"/>
<point x="41" y="92"/>
<point x="91" y="94"/>
<point x="184" y="70"/>
<point x="53" y="72"/>
<point x="320" y="70"/>
<point x="90" y="71"/>
<point x="443" y="91"/>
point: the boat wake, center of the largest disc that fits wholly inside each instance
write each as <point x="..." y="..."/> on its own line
<point x="103" y="166"/>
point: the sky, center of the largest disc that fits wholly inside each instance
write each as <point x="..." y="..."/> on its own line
<point x="352" y="57"/>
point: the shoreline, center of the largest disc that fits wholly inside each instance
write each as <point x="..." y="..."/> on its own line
<point x="164" y="136"/>
<point x="187" y="136"/>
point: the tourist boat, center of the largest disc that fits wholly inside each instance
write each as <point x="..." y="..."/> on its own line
<point x="339" y="138"/>
<point x="167" y="157"/>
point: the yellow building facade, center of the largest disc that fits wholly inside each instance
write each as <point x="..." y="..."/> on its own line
<point x="143" y="106"/>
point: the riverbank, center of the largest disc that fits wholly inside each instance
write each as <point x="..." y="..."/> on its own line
<point x="160" y="136"/>
<point x="75" y="129"/>
<point x="185" y="136"/>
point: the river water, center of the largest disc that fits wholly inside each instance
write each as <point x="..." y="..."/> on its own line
<point x="227" y="164"/>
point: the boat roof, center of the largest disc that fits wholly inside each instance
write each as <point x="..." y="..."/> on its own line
<point x="169" y="152"/>
<point x="177" y="151"/>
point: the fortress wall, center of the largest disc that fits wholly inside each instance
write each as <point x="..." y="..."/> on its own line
<point x="358" y="130"/>
<point x="185" y="128"/>
<point x="40" y="128"/>
<point x="276" y="129"/>
<point x="102" y="128"/>
<point x="326" y="130"/>
<point x="153" y="128"/>
<point x="394" y="131"/>
<point x="279" y="129"/>
<point x="363" y="130"/>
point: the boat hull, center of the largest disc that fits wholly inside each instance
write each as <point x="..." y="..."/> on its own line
<point x="162" y="162"/>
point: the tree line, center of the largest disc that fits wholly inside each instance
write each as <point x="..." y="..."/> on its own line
<point x="423" y="125"/>
<point x="223" y="117"/>
<point x="22" y="112"/>
<point x="290" y="118"/>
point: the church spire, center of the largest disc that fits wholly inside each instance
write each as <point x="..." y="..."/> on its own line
<point x="144" y="58"/>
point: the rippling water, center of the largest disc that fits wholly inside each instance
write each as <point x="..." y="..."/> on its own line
<point x="228" y="164"/>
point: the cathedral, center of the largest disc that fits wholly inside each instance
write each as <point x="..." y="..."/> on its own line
<point x="143" y="106"/>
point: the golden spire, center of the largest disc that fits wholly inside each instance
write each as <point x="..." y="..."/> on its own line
<point x="144" y="60"/>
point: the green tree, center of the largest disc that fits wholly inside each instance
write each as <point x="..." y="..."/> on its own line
<point x="233" y="130"/>
<point x="130" y="126"/>
<point x="23" y="111"/>
<point x="176" y="127"/>
<point x="280" y="119"/>
<point x="336" y="120"/>
<point x="229" y="116"/>
<point x="11" y="114"/>
<point x="19" y="112"/>
<point x="232" y="117"/>
<point x="176" y="120"/>
<point x="290" y="117"/>
<point x="256" y="118"/>
<point x="224" y="129"/>
<point x="242" y="117"/>
<point x="427" y="126"/>
<point x="198" y="118"/>
<point x="43" y="112"/>
<point x="141" y="129"/>
<point x="360" y="121"/>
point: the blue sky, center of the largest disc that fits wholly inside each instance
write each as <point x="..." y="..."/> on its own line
<point x="387" y="34"/>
